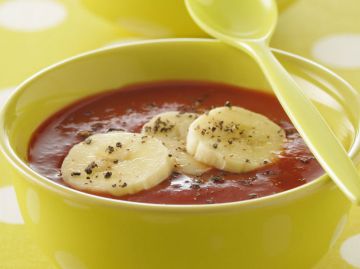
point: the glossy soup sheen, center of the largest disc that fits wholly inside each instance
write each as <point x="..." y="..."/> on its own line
<point x="130" y="107"/>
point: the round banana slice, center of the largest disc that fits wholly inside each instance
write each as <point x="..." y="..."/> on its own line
<point x="117" y="163"/>
<point x="172" y="128"/>
<point x="234" y="139"/>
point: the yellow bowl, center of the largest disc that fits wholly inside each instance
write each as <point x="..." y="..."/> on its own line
<point x="153" y="19"/>
<point x="292" y="229"/>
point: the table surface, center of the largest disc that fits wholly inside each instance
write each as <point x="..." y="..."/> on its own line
<point x="327" y="31"/>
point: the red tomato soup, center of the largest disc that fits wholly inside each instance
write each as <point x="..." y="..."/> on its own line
<point x="131" y="107"/>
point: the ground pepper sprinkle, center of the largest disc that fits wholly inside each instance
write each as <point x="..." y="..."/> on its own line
<point x="110" y="149"/>
<point x="118" y="145"/>
<point x="108" y="174"/>
<point x="90" y="167"/>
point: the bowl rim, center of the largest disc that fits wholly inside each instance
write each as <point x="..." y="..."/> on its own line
<point x="22" y="167"/>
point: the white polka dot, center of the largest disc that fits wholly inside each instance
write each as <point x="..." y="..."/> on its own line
<point x="4" y="94"/>
<point x="339" y="51"/>
<point x="31" y="15"/>
<point x="350" y="251"/>
<point x="9" y="208"/>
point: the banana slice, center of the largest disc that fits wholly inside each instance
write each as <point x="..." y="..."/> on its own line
<point x="234" y="139"/>
<point x="117" y="163"/>
<point x="172" y="128"/>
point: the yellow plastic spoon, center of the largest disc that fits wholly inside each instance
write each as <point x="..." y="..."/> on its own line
<point x="248" y="25"/>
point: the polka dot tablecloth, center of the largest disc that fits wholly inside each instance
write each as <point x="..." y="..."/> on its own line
<point x="36" y="33"/>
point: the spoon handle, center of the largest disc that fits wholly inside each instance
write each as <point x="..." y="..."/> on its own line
<point x="309" y="122"/>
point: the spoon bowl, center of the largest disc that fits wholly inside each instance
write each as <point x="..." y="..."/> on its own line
<point x="252" y="20"/>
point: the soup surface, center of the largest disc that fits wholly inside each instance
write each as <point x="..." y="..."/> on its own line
<point x="131" y="107"/>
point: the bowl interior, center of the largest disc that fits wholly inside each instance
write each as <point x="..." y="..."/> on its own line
<point x="187" y="59"/>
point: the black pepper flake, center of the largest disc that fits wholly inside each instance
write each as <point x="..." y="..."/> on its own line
<point x="97" y="126"/>
<point x="88" y="113"/>
<point x="118" y="145"/>
<point x="116" y="161"/>
<point x="221" y="124"/>
<point x="170" y="155"/>
<point x="113" y="185"/>
<point x="75" y="174"/>
<point x="215" y="145"/>
<point x="199" y="101"/>
<point x="162" y="126"/>
<point x="195" y="186"/>
<point x="252" y="195"/>
<point x="265" y="162"/>
<point x="228" y="104"/>
<point x="124" y="185"/>
<point x="115" y="130"/>
<point x="217" y="179"/>
<point x="148" y="129"/>
<point x="305" y="160"/>
<point x="110" y="149"/>
<point x="90" y="167"/>
<point x="84" y="133"/>
<point x="247" y="161"/>
<point x="107" y="174"/>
